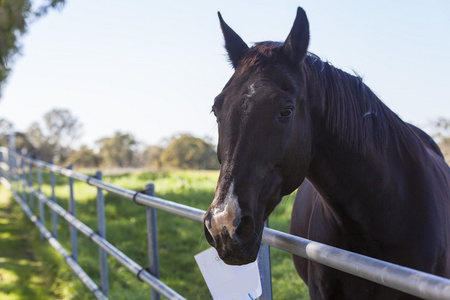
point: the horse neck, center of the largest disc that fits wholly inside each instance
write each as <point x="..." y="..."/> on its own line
<point x="358" y="143"/>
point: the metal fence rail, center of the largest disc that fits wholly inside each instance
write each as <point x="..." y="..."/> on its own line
<point x="158" y="287"/>
<point x="79" y="272"/>
<point x="410" y="281"/>
<point x="133" y="267"/>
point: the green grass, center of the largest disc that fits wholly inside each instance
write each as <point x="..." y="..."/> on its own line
<point x="179" y="240"/>
<point x="27" y="266"/>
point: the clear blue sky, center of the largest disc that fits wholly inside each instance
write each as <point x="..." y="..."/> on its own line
<point x="153" y="68"/>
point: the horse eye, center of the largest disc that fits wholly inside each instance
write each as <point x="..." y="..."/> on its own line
<point x="286" y="113"/>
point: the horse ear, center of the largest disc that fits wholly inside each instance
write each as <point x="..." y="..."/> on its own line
<point x="234" y="45"/>
<point x="296" y="44"/>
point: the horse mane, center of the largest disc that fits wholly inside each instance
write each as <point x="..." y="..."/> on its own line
<point x="350" y="108"/>
<point x="356" y="115"/>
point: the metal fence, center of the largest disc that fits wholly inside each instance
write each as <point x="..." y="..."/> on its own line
<point x="410" y="281"/>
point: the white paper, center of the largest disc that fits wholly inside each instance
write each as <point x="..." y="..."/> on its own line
<point x="227" y="282"/>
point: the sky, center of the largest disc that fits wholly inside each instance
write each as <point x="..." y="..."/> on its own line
<point x="153" y="68"/>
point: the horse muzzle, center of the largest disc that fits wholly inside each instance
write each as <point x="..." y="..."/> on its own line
<point x="236" y="241"/>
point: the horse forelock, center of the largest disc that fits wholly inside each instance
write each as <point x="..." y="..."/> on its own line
<point x="259" y="56"/>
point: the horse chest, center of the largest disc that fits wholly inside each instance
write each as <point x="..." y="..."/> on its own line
<point x="328" y="283"/>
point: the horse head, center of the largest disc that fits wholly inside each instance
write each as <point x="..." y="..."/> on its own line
<point x="264" y="143"/>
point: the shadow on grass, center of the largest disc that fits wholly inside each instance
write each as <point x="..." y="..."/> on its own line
<point x="21" y="275"/>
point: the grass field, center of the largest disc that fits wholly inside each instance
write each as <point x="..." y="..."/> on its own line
<point x="22" y="274"/>
<point x="179" y="240"/>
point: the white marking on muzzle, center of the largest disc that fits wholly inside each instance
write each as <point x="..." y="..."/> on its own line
<point x="225" y="217"/>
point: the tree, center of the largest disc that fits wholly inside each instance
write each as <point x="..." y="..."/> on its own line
<point x="188" y="152"/>
<point x="21" y="141"/>
<point x="40" y="146"/>
<point x="56" y="140"/>
<point x="442" y="136"/>
<point x="117" y="151"/>
<point x="442" y="129"/>
<point x="6" y="127"/>
<point x="15" y="17"/>
<point x="84" y="157"/>
<point x="150" y="157"/>
<point x="63" y="129"/>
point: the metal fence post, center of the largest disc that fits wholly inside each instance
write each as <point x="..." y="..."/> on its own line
<point x="152" y="235"/>
<point x="1" y="160"/>
<point x="41" y="204"/>
<point x="265" y="271"/>
<point x="54" y="214"/>
<point x="24" y="179"/>
<point x="30" y="184"/>
<point x="73" y="230"/>
<point x="104" y="286"/>
<point x="12" y="140"/>
<point x="10" y="162"/>
<point x="11" y="157"/>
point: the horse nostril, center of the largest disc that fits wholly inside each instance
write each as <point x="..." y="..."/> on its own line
<point x="209" y="237"/>
<point x="246" y="227"/>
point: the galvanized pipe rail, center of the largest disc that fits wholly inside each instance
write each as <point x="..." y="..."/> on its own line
<point x="79" y="272"/>
<point x="141" y="273"/>
<point x="410" y="281"/>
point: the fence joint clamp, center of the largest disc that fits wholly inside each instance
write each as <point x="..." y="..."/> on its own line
<point x="138" y="274"/>
<point x="134" y="197"/>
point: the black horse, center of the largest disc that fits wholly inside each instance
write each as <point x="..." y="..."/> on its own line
<point x="375" y="184"/>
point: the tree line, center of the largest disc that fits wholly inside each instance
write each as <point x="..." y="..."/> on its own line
<point x="55" y="140"/>
<point x="442" y="136"/>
